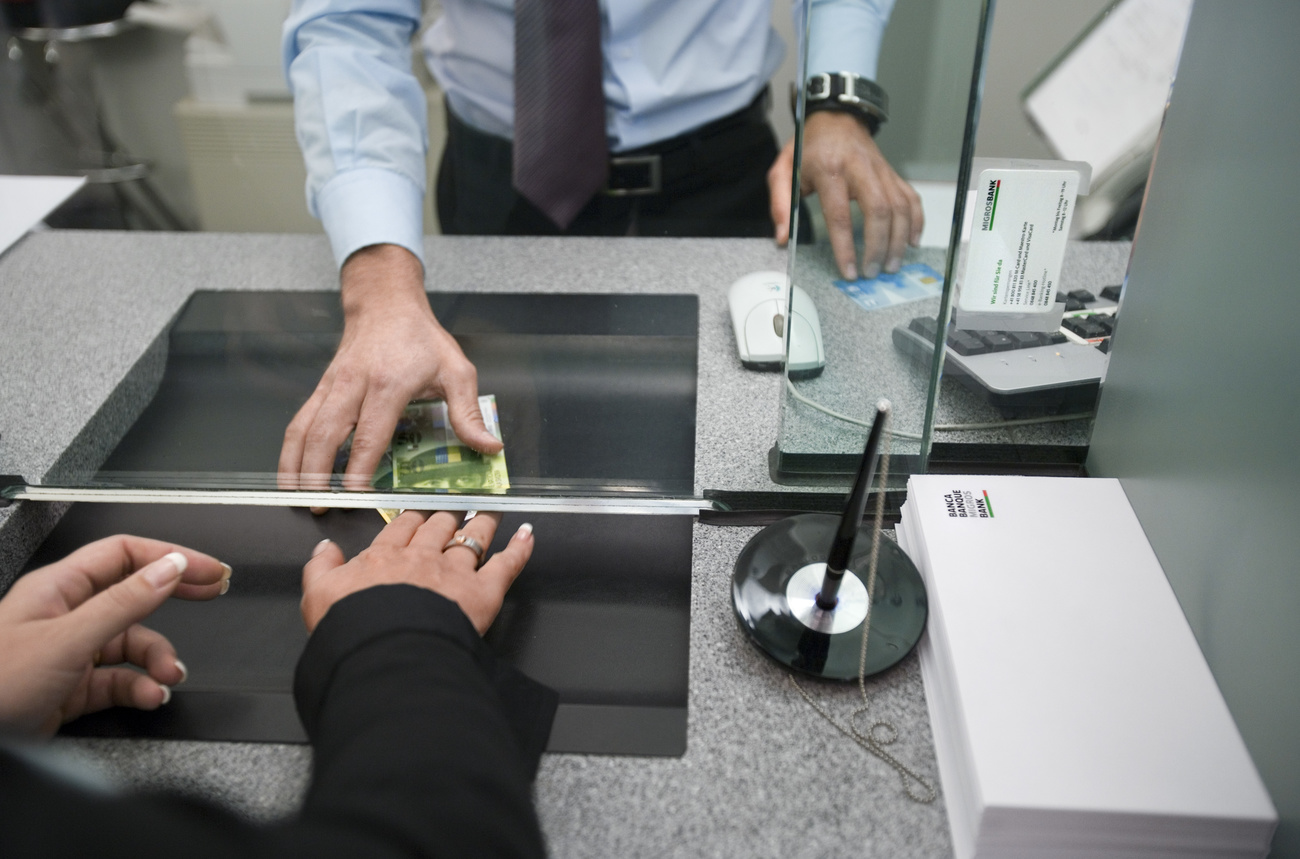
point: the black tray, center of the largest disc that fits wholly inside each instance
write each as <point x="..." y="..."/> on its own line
<point x="593" y="391"/>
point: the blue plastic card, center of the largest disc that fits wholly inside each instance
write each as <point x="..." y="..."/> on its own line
<point x="912" y="283"/>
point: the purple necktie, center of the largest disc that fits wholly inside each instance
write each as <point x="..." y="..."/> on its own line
<point x="560" y="151"/>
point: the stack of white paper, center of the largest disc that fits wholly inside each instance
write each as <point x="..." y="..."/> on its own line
<point x="1073" y="712"/>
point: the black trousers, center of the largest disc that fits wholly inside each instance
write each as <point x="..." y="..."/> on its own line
<point x="714" y="183"/>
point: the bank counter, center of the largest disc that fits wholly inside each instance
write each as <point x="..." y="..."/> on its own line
<point x="84" y="343"/>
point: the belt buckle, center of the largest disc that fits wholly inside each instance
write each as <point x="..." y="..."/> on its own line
<point x="653" y="165"/>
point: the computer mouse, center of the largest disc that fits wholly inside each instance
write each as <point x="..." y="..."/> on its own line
<point x="758" y="309"/>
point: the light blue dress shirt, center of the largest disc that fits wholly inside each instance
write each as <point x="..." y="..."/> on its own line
<point x="670" y="66"/>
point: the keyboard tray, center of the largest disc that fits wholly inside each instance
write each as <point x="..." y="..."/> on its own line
<point x="1021" y="373"/>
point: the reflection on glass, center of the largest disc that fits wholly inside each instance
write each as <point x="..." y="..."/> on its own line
<point x="594" y="395"/>
<point x="1084" y="82"/>
<point x="1093" y="83"/>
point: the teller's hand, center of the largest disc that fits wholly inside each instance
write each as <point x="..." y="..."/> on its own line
<point x="841" y="163"/>
<point x="65" y="627"/>
<point x="393" y="351"/>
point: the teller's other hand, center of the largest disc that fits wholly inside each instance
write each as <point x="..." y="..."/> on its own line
<point x="428" y="551"/>
<point x="68" y="631"/>
<point x="841" y="162"/>
<point x="393" y="351"/>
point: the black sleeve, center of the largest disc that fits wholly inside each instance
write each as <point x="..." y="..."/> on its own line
<point x="424" y="745"/>
<point x="419" y="732"/>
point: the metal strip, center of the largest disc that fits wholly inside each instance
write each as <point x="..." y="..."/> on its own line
<point x="370" y="500"/>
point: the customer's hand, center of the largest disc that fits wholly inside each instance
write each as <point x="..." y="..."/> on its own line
<point x="65" y="628"/>
<point x="393" y="351"/>
<point x="410" y="551"/>
<point x="841" y="163"/>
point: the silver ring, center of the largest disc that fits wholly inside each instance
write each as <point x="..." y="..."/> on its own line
<point x="469" y="543"/>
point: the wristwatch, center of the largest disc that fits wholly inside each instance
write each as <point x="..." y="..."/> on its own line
<point x="848" y="93"/>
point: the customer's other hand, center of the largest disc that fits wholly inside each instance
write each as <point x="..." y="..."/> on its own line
<point x="410" y="551"/>
<point x="393" y="351"/>
<point x="66" y="628"/>
<point x="841" y="162"/>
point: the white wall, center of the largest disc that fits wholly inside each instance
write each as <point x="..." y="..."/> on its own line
<point x="1027" y="35"/>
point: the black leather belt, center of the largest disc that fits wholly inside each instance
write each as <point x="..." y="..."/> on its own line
<point x="641" y="172"/>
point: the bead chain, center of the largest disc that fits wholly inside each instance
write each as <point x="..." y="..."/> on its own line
<point x="882" y="732"/>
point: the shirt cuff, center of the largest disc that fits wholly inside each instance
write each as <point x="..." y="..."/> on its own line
<point x="846" y="38"/>
<point x="371" y="206"/>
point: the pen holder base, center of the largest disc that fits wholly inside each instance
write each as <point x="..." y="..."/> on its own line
<point x="850" y="608"/>
<point x="770" y="589"/>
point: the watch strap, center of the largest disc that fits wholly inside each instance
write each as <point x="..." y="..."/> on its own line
<point x="847" y="92"/>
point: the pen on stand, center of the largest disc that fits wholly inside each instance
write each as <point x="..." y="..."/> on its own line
<point x="846" y="535"/>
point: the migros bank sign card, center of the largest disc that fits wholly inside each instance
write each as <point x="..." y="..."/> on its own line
<point x="1020" y="226"/>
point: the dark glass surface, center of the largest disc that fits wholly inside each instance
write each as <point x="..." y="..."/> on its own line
<point x="596" y="396"/>
<point x="601" y="614"/>
<point x="596" y="393"/>
<point x="764" y="568"/>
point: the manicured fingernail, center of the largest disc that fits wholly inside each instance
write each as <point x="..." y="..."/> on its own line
<point x="850" y="272"/>
<point x="167" y="693"/>
<point x="320" y="547"/>
<point x="185" y="672"/>
<point x="165" y="570"/>
<point x="227" y="568"/>
<point x="525" y="531"/>
<point x="872" y="271"/>
<point x="893" y="265"/>
<point x="225" y="586"/>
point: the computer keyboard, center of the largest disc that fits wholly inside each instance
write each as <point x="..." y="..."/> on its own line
<point x="1025" y="373"/>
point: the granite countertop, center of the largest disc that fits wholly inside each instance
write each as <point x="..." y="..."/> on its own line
<point x="82" y="345"/>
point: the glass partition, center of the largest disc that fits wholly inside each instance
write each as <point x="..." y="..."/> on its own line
<point x="1087" y="83"/>
<point x="870" y="319"/>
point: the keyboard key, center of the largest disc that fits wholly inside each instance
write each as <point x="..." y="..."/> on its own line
<point x="1098" y="330"/>
<point x="998" y="341"/>
<point x="1085" y="326"/>
<point x="966" y="343"/>
<point x="1104" y="346"/>
<point x="1075" y="324"/>
<point x="1072" y="304"/>
<point x="1025" y="339"/>
<point x="925" y="326"/>
<point x="1107" y="323"/>
<point x="1111" y="293"/>
<point x="1056" y="338"/>
<point x="1060" y="298"/>
<point x="1082" y="295"/>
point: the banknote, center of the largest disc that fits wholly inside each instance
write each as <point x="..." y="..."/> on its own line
<point x="426" y="454"/>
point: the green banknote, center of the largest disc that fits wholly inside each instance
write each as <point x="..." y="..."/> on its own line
<point x="426" y="454"/>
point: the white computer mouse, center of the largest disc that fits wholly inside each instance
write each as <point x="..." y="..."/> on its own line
<point x="758" y="307"/>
